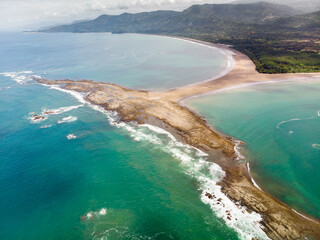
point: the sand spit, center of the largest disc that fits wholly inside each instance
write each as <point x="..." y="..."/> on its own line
<point x="162" y="109"/>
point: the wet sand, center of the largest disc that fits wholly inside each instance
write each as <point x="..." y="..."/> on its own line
<point x="163" y="109"/>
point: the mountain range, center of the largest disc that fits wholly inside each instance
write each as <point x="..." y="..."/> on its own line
<point x="276" y="37"/>
<point x="207" y="18"/>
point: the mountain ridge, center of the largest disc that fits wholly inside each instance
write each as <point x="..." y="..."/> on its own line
<point x="173" y="21"/>
<point x="277" y="38"/>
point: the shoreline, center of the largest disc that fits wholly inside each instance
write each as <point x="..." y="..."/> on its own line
<point x="161" y="109"/>
<point x="222" y="48"/>
<point x="242" y="74"/>
<point x="240" y="86"/>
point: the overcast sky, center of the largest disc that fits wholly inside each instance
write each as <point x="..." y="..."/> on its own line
<point x="16" y="15"/>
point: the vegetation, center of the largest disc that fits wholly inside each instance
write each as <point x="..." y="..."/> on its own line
<point x="281" y="56"/>
<point x="275" y="37"/>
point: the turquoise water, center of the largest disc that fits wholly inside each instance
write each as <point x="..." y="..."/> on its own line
<point x="281" y="125"/>
<point x="80" y="174"/>
<point x="49" y="182"/>
<point x="147" y="62"/>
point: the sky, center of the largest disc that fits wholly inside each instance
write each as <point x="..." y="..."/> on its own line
<point x="17" y="15"/>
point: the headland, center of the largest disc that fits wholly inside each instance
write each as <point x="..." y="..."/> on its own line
<point x="164" y="110"/>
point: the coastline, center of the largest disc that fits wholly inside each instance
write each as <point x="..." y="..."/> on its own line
<point x="151" y="107"/>
<point x="243" y="73"/>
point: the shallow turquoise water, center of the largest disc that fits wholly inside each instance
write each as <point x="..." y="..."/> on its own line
<point x="75" y="175"/>
<point x="49" y="182"/>
<point x="281" y="125"/>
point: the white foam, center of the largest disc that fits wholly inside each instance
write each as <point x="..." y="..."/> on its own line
<point x="293" y="119"/>
<point x="158" y="130"/>
<point x="316" y="145"/>
<point x="252" y="180"/>
<point x="208" y="175"/>
<point x="195" y="163"/>
<point x="46" y="112"/>
<point x="71" y="136"/>
<point x="290" y="120"/>
<point x="237" y="150"/>
<point x="36" y="118"/>
<point x="46" y="126"/>
<point x="21" y="77"/>
<point x="103" y="211"/>
<point x="96" y="214"/>
<point x="303" y="216"/>
<point x="67" y="119"/>
<point x="60" y="110"/>
<point x="247" y="225"/>
<point x="77" y="95"/>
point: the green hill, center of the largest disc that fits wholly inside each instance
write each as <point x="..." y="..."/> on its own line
<point x="303" y="22"/>
<point x="212" y="18"/>
<point x="274" y="36"/>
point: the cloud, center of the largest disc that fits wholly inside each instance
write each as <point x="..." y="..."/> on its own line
<point x="32" y="14"/>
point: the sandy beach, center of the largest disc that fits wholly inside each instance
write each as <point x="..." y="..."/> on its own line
<point x="164" y="110"/>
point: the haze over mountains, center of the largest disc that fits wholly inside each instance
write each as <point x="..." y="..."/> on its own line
<point x="305" y="6"/>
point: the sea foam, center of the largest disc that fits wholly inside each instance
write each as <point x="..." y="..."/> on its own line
<point x="67" y="119"/>
<point x="252" y="180"/>
<point x="316" y="145"/>
<point x="60" y="110"/>
<point x="291" y="120"/>
<point x="196" y="164"/>
<point x="44" y="115"/>
<point x="21" y="77"/>
<point x="208" y="174"/>
<point x="71" y="136"/>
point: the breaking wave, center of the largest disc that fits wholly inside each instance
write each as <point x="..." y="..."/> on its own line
<point x="36" y="118"/>
<point x="196" y="164"/>
<point x="78" y="96"/>
<point x="44" y="115"/>
<point x="71" y="136"/>
<point x="292" y="120"/>
<point x="22" y="77"/>
<point x="67" y="119"/>
<point x="60" y="110"/>
<point x="316" y="145"/>
<point x="46" y="126"/>
<point x="252" y="180"/>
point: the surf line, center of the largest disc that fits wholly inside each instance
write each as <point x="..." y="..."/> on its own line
<point x="253" y="181"/>
<point x="240" y="220"/>
<point x="293" y="119"/>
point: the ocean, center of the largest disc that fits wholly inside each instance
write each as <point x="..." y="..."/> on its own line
<point x="82" y="174"/>
<point x="135" y="61"/>
<point x="280" y="123"/>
